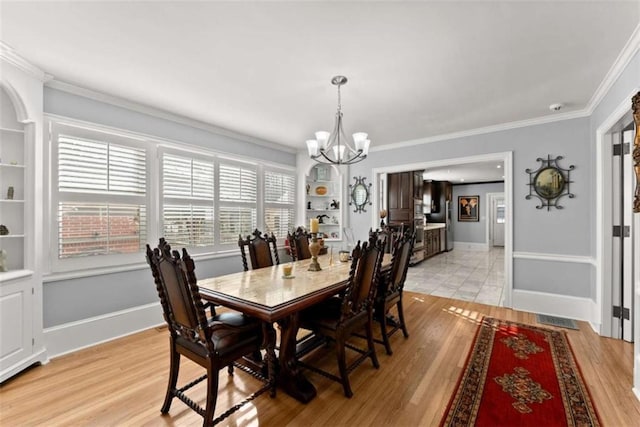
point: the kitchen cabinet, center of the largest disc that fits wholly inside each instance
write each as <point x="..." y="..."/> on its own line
<point x="400" y="197"/>
<point x="433" y="242"/>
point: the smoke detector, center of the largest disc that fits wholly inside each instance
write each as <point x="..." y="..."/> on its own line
<point x="555" y="107"/>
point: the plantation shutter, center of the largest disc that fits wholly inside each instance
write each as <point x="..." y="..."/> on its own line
<point x="238" y="200"/>
<point x="102" y="197"/>
<point x="188" y="196"/>
<point x="279" y="200"/>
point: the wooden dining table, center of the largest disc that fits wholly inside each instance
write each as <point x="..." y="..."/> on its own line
<point x="266" y="294"/>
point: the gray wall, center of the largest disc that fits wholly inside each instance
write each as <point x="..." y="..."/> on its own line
<point x="472" y="232"/>
<point x="75" y="299"/>
<point x="561" y="232"/>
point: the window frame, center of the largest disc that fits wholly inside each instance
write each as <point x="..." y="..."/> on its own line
<point x="155" y="148"/>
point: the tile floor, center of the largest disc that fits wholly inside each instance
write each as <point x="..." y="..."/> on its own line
<point x="466" y="275"/>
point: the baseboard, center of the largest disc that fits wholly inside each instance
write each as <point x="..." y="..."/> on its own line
<point x="555" y="305"/>
<point x="470" y="246"/>
<point x="73" y="336"/>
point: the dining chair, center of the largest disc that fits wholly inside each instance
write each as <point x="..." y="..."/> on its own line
<point x="390" y="287"/>
<point x="262" y="250"/>
<point x="212" y="342"/>
<point x="299" y="244"/>
<point x="338" y="318"/>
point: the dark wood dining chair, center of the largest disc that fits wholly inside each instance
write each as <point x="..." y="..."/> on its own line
<point x="213" y="343"/>
<point x="299" y="244"/>
<point x="338" y="318"/>
<point x="262" y="250"/>
<point x="390" y="287"/>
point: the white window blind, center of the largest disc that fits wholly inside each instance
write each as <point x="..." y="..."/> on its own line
<point x="188" y="197"/>
<point x="237" y="200"/>
<point x="101" y="197"/>
<point x="279" y="201"/>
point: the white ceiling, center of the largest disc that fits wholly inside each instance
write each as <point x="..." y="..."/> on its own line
<point x="415" y="69"/>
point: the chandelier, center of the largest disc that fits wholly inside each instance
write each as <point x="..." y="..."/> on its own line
<point x="332" y="148"/>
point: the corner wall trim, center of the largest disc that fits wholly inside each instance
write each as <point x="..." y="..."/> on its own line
<point x="73" y="336"/>
<point x="578" y="308"/>
<point x="555" y="257"/>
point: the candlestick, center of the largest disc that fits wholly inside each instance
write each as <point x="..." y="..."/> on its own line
<point x="314" y="248"/>
<point x="314" y="225"/>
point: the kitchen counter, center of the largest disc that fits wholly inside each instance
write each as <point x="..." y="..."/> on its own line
<point x="434" y="226"/>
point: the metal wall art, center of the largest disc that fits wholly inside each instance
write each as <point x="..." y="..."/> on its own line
<point x="549" y="183"/>
<point x="360" y="194"/>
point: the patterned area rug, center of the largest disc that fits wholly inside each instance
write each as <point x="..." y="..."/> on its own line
<point x="520" y="375"/>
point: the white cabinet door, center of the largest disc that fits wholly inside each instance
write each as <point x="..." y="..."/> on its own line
<point x="16" y="328"/>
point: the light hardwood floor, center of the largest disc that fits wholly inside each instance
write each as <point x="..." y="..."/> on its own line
<point x="122" y="383"/>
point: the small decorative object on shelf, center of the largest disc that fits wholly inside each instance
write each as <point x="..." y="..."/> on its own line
<point x="3" y="260"/>
<point x="549" y="182"/>
<point x="335" y="204"/>
<point x="321" y="218"/>
<point x="308" y="188"/>
<point x="3" y="230"/>
<point x="309" y="204"/>
<point x="10" y="193"/>
<point x="13" y="163"/>
<point x="383" y="215"/>
<point x="314" y="248"/>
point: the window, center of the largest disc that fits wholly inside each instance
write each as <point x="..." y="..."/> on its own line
<point x="238" y="200"/>
<point x="112" y="192"/>
<point x="101" y="197"/>
<point x="188" y="196"/>
<point x="279" y="202"/>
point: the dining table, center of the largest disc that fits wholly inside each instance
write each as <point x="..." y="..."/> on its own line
<point x="269" y="295"/>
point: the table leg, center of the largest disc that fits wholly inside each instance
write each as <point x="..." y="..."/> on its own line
<point x="269" y="343"/>
<point x="290" y="377"/>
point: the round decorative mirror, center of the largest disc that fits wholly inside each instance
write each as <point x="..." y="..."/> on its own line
<point x="360" y="194"/>
<point x="549" y="183"/>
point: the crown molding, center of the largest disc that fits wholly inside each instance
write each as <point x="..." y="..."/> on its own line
<point x="484" y="130"/>
<point x="8" y="54"/>
<point x="162" y="114"/>
<point x="621" y="62"/>
<point x="626" y="55"/>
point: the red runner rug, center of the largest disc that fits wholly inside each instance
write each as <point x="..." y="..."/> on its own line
<point x="520" y="375"/>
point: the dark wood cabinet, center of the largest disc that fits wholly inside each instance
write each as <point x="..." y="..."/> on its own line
<point x="432" y="242"/>
<point x="417" y="185"/>
<point x="400" y="197"/>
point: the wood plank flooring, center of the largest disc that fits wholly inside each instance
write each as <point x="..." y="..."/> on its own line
<point x="122" y="383"/>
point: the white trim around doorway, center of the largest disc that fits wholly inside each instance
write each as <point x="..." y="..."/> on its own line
<point x="507" y="159"/>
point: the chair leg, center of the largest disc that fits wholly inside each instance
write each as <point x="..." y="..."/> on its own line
<point x="212" y="395"/>
<point x="372" y="349"/>
<point x="401" y="319"/>
<point x="230" y="368"/>
<point x="174" y="368"/>
<point x="342" y="364"/>
<point x="383" y="332"/>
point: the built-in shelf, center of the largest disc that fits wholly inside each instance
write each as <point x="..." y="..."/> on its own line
<point x="11" y="201"/>
<point x="12" y="236"/>
<point x="5" y="276"/>
<point x="8" y="165"/>
<point x="9" y="130"/>
<point x="327" y="179"/>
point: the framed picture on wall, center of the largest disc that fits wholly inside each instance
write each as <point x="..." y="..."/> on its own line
<point x="468" y="208"/>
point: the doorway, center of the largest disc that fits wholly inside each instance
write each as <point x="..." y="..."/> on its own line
<point x="496" y="218"/>
<point x="507" y="161"/>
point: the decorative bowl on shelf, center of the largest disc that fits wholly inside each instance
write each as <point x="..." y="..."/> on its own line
<point x="321" y="190"/>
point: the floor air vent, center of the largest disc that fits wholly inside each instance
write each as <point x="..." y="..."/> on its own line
<point x="556" y="321"/>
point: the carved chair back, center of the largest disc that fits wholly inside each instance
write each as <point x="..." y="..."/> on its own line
<point x="363" y="279"/>
<point x="299" y="244"/>
<point x="181" y="302"/>
<point x="402" y="250"/>
<point x="262" y="250"/>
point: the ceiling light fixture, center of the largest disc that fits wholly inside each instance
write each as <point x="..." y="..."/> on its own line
<point x="332" y="148"/>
